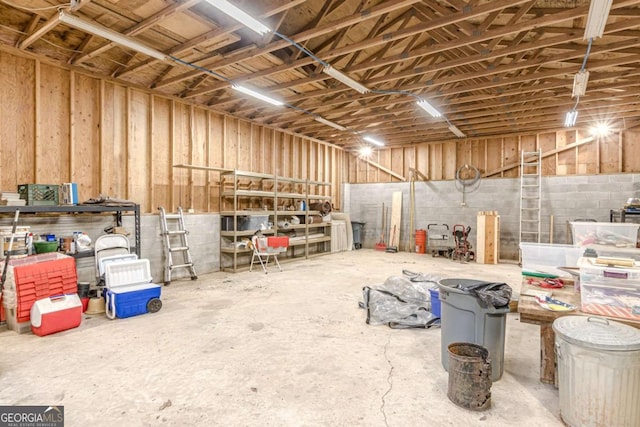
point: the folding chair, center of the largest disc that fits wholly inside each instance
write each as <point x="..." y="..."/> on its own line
<point x="265" y="247"/>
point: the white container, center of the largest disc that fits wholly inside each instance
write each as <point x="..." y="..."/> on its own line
<point x="547" y="258"/>
<point x="620" y="235"/>
<point x="598" y="372"/>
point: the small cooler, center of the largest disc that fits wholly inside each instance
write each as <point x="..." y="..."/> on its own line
<point x="129" y="289"/>
<point x="55" y="314"/>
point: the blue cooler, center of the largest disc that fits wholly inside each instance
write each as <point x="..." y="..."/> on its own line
<point x="129" y="289"/>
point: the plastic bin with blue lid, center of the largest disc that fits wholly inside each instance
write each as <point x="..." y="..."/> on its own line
<point x="465" y="318"/>
<point x="129" y="289"/>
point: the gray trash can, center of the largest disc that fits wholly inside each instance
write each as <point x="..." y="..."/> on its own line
<point x="357" y="233"/>
<point x="464" y="319"/>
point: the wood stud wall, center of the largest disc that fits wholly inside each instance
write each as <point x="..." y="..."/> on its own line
<point x="565" y="152"/>
<point x="59" y="125"/>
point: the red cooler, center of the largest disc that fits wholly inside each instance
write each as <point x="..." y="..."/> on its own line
<point x="55" y="314"/>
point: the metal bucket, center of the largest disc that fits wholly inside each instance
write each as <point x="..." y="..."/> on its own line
<point x="469" y="376"/>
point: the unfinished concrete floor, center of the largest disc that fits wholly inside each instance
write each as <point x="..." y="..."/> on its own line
<point x="287" y="348"/>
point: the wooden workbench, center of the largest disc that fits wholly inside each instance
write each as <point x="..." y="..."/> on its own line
<point x="531" y="312"/>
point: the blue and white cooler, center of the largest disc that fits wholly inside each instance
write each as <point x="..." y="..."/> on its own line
<point x="129" y="290"/>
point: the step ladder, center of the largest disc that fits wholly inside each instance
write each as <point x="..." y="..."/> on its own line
<point x="530" y="195"/>
<point x="174" y="238"/>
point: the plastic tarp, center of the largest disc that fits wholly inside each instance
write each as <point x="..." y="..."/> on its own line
<point x="400" y="302"/>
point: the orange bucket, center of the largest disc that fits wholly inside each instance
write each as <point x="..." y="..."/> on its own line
<point x="421" y="241"/>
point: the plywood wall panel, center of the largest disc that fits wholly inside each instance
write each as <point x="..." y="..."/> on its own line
<point x="181" y="136"/>
<point x="436" y="162"/>
<point x="449" y="160"/>
<point x="161" y="155"/>
<point x="199" y="143"/>
<point x="511" y="155"/>
<point x="139" y="149"/>
<point x="609" y="153"/>
<point x="231" y="138"/>
<point x="547" y="142"/>
<point x="494" y="155"/>
<point x="422" y="159"/>
<point x="409" y="161"/>
<point x="85" y="148"/>
<point x="53" y="150"/>
<point x="397" y="161"/>
<point x="630" y="151"/>
<point x="113" y="149"/>
<point x="17" y="132"/>
<point x="244" y="145"/>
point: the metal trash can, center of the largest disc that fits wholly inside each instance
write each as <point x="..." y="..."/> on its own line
<point x="357" y="233"/>
<point x="464" y="319"/>
<point x="598" y="371"/>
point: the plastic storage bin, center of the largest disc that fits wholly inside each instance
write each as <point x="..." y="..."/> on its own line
<point x="546" y="258"/>
<point x="464" y="319"/>
<point x="610" y="291"/>
<point x="605" y="233"/>
<point x="598" y="371"/>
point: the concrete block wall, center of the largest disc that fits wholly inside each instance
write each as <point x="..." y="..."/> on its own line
<point x="440" y="202"/>
<point x="204" y="239"/>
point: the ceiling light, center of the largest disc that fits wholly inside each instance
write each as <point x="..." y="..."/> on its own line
<point x="329" y="123"/>
<point x="257" y="95"/>
<point x="240" y="16"/>
<point x="373" y="141"/>
<point x="597" y="19"/>
<point x="344" y="79"/>
<point x="104" y="32"/>
<point x="429" y="108"/>
<point x="365" y="151"/>
<point x="570" y="119"/>
<point x="601" y="129"/>
<point x="580" y="83"/>
<point x="456" y="131"/>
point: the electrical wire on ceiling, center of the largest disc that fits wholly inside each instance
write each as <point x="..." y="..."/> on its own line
<point x="579" y="88"/>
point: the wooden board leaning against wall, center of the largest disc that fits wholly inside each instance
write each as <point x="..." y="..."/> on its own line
<point x="565" y="152"/>
<point x="62" y="125"/>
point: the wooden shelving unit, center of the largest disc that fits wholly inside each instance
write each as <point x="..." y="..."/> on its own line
<point x="252" y="201"/>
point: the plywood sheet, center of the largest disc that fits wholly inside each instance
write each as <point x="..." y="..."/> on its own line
<point x="435" y="162"/>
<point x="17" y="132"/>
<point x="139" y="149"/>
<point x="631" y="151"/>
<point x="488" y="241"/>
<point x="395" y="222"/>
<point x="244" y="145"/>
<point x="161" y="159"/>
<point x="511" y="155"/>
<point x="609" y="155"/>
<point x="494" y="154"/>
<point x="449" y="160"/>
<point x="53" y="149"/>
<point x="113" y="171"/>
<point x="199" y="142"/>
<point x="547" y="142"/>
<point x="86" y="136"/>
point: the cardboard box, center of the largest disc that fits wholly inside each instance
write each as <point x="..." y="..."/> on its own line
<point x="56" y="314"/>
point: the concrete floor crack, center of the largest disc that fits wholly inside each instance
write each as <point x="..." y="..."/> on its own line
<point x="384" y="396"/>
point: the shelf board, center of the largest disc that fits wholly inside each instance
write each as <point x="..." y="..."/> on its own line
<point x="320" y="224"/>
<point x="318" y="197"/>
<point x="244" y="233"/>
<point x="235" y="250"/>
<point x="248" y="193"/>
<point x="245" y="174"/>
<point x="246" y="213"/>
<point x="284" y="195"/>
<point x="320" y="239"/>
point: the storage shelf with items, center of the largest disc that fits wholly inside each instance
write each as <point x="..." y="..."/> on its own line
<point x="253" y="203"/>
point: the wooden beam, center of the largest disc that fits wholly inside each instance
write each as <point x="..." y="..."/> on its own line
<point x="48" y="26"/>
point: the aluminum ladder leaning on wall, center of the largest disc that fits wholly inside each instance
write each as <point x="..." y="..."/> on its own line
<point x="530" y="195"/>
<point x="174" y="238"/>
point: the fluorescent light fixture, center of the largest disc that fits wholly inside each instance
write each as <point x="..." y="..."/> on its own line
<point x="257" y="95"/>
<point x="570" y="119"/>
<point x="457" y="131"/>
<point x="104" y="32"/>
<point x="345" y="79"/>
<point x="580" y="83"/>
<point x="240" y="16"/>
<point x="329" y="123"/>
<point x="373" y="141"/>
<point x="597" y="19"/>
<point x="429" y="108"/>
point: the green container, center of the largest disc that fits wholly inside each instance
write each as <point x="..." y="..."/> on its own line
<point x="43" y="247"/>
<point x="39" y="194"/>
